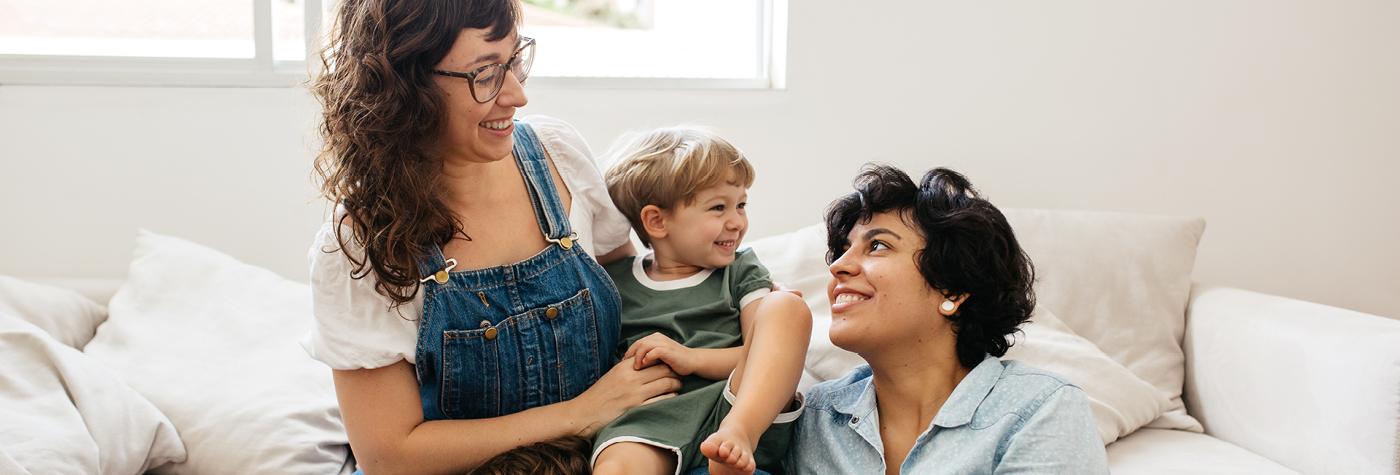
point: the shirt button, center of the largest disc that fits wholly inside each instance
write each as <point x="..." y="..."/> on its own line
<point x="551" y="313"/>
<point x="491" y="333"/>
<point x="530" y="360"/>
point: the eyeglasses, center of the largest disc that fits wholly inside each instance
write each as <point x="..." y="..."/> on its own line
<point x="486" y="81"/>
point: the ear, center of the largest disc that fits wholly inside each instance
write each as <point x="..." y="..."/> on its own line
<point x="951" y="304"/>
<point x="654" y="222"/>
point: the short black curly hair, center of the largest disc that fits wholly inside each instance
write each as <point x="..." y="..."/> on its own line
<point x="969" y="249"/>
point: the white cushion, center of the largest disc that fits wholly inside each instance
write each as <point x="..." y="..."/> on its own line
<point x="1160" y="451"/>
<point x="213" y="343"/>
<point x="60" y="412"/>
<point x="1120" y="400"/>
<point x="65" y="314"/>
<point x="1122" y="281"/>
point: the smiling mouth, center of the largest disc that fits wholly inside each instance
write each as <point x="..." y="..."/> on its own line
<point x="496" y="124"/>
<point x="850" y="298"/>
<point x="730" y="244"/>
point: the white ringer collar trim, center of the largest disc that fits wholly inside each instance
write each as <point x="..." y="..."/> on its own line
<point x="640" y="273"/>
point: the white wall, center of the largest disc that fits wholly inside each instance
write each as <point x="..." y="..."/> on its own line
<point x="1277" y="121"/>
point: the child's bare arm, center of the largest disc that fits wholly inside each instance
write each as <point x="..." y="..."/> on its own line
<point x="717" y="363"/>
<point x="705" y="362"/>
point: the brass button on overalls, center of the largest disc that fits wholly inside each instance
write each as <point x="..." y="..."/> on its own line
<point x="490" y="331"/>
<point x="551" y="313"/>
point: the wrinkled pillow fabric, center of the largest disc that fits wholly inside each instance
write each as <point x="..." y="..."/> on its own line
<point x="61" y="412"/>
<point x="64" y="314"/>
<point x="1121" y="401"/>
<point x="213" y="343"/>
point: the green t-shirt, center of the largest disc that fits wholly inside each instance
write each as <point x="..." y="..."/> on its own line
<point x="700" y="311"/>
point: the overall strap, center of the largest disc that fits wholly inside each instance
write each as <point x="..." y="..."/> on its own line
<point x="534" y="167"/>
<point x="435" y="266"/>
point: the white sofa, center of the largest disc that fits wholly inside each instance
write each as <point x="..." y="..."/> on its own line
<point x="1280" y="386"/>
<point x="1232" y="381"/>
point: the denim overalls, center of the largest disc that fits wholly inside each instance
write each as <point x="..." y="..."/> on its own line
<point x="500" y="340"/>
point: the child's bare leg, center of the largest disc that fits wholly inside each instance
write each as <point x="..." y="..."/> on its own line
<point x="634" y="457"/>
<point x="763" y="381"/>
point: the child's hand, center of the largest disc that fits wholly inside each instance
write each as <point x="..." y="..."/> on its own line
<point x="657" y="347"/>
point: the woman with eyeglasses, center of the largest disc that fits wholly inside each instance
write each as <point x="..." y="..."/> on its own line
<point x="457" y="289"/>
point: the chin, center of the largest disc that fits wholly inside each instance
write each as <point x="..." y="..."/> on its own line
<point x="844" y="338"/>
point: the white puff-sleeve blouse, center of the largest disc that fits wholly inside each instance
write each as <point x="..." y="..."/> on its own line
<point x="357" y="328"/>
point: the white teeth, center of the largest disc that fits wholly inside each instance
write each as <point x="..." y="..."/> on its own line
<point x="497" y="125"/>
<point x="848" y="298"/>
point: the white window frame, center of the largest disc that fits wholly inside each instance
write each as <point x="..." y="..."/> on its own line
<point x="263" y="70"/>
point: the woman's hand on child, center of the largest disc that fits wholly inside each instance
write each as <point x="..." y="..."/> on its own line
<point x="620" y="389"/>
<point x="655" y="348"/>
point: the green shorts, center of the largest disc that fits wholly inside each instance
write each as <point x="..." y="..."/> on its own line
<point x="681" y="423"/>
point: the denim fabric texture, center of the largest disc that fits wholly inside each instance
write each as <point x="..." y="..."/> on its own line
<point x="1004" y="417"/>
<point x="500" y="340"/>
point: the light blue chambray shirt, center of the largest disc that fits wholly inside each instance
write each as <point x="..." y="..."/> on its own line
<point x="1004" y="417"/>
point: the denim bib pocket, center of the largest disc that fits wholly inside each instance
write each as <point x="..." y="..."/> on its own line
<point x="574" y="327"/>
<point x="471" y="372"/>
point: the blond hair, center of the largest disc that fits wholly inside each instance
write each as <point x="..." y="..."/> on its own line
<point x="670" y="166"/>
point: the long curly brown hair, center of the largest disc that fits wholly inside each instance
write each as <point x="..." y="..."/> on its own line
<point x="381" y="117"/>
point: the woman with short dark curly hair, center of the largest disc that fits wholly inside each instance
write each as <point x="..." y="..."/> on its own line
<point x="928" y="286"/>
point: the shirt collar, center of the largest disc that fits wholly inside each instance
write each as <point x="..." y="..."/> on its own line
<point x="970" y="393"/>
<point x="858" y="398"/>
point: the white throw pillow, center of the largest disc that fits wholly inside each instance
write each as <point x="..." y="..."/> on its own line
<point x="1121" y="281"/>
<point x="61" y="412"/>
<point x="65" y="314"/>
<point x="1121" y="401"/>
<point x="213" y="343"/>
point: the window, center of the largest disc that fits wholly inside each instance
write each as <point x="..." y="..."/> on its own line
<point x="609" y="43"/>
<point x="715" y="42"/>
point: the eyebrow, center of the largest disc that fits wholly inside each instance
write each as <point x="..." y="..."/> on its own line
<point x="493" y="57"/>
<point x="878" y="231"/>
<point x="486" y="57"/>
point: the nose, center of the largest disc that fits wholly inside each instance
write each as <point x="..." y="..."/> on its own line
<point x="844" y="266"/>
<point x="735" y="223"/>
<point x="512" y="92"/>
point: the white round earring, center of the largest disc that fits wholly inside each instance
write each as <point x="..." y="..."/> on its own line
<point x="948" y="306"/>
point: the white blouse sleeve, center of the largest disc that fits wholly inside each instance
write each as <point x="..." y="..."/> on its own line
<point x="355" y="326"/>
<point x="576" y="164"/>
